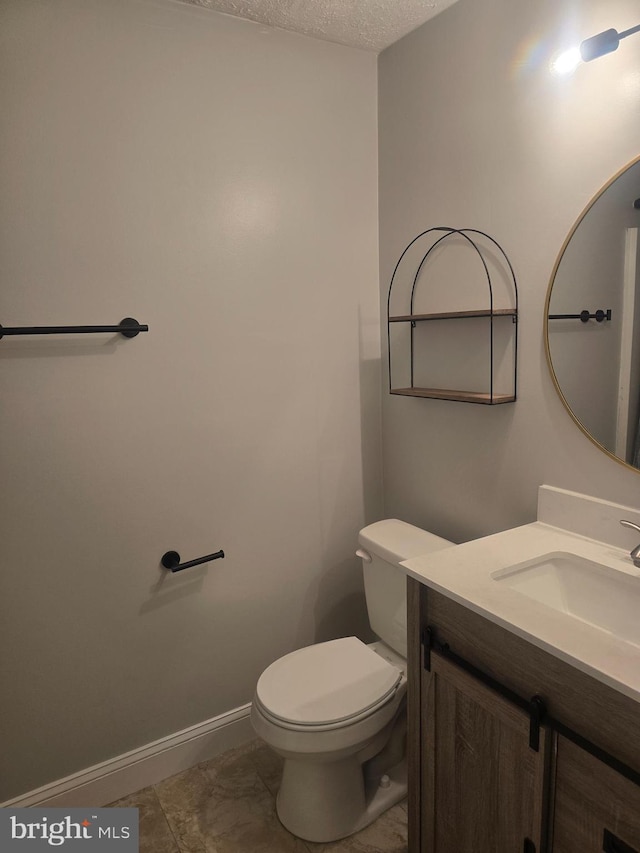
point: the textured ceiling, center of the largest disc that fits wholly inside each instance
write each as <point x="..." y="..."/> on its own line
<point x="369" y="24"/>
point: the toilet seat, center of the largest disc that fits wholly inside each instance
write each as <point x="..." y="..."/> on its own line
<point x="327" y="685"/>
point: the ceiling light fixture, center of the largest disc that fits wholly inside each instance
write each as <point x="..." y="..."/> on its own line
<point x="603" y="43"/>
<point x="591" y="48"/>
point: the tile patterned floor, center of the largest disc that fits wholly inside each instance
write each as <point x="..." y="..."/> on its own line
<point x="227" y="805"/>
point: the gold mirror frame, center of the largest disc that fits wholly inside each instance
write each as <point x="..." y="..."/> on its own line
<point x="547" y="303"/>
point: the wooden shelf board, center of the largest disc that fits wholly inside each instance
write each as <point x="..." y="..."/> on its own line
<point x="454" y="315"/>
<point x="460" y="396"/>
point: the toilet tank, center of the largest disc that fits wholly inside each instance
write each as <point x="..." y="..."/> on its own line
<point x="387" y="543"/>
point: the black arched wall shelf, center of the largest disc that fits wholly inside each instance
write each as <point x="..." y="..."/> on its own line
<point x="494" y="389"/>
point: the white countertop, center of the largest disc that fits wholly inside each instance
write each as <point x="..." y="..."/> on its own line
<point x="463" y="573"/>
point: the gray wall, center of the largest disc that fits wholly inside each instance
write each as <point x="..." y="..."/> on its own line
<point x="216" y="180"/>
<point x="197" y="171"/>
<point x="475" y="132"/>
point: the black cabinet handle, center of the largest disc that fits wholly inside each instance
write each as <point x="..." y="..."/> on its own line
<point x="171" y="560"/>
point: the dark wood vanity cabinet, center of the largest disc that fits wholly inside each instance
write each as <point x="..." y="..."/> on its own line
<point x="478" y="763"/>
<point x="496" y="735"/>
<point x="595" y="808"/>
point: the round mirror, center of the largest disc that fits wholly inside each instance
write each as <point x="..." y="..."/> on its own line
<point x="593" y="319"/>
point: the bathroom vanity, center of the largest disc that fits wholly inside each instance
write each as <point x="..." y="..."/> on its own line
<point x="524" y="687"/>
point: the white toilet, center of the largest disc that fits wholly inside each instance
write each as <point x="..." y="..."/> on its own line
<point x="336" y="711"/>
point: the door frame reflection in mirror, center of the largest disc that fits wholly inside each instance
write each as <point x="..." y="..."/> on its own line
<point x="584" y="429"/>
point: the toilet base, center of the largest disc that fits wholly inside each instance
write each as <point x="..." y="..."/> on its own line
<point x="326" y="802"/>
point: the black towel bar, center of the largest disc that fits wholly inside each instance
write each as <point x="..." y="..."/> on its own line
<point x="171" y="560"/>
<point x="128" y="327"/>
<point x="585" y="316"/>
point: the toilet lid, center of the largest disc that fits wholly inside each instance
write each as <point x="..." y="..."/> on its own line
<point x="326" y="683"/>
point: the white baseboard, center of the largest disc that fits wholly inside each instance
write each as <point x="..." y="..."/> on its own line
<point x="103" y="783"/>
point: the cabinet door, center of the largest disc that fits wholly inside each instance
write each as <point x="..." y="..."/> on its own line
<point x="484" y="784"/>
<point x="596" y="809"/>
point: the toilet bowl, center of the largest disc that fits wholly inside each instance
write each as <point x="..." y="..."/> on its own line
<point x="336" y="711"/>
<point x="327" y="710"/>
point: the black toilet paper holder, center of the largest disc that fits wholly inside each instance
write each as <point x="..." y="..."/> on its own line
<point x="171" y="560"/>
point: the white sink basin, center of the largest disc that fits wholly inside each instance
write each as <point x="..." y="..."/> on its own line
<point x="602" y="597"/>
